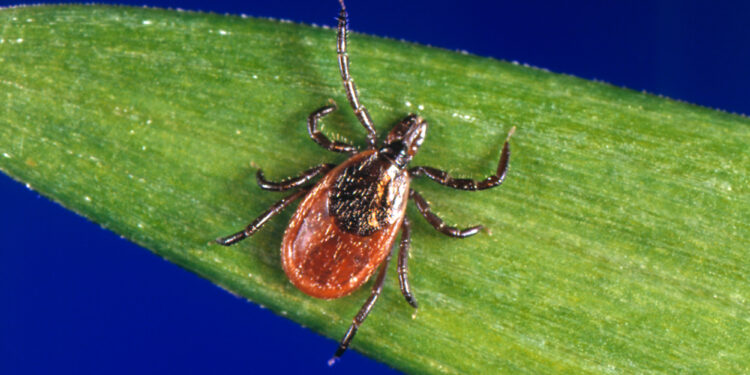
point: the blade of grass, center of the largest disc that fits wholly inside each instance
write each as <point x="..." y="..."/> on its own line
<point x="618" y="243"/>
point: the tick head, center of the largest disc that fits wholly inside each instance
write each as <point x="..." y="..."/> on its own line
<point x="403" y="142"/>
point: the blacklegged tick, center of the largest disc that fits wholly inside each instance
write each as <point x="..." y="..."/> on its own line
<point x="347" y="222"/>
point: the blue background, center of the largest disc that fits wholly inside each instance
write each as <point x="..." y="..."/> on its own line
<point x="75" y="298"/>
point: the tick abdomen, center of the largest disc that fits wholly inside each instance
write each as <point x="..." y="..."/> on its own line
<point x="344" y="228"/>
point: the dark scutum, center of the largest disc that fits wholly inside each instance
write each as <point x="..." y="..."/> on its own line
<point x="361" y="194"/>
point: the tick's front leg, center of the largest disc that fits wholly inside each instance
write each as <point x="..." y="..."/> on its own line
<point x="351" y="89"/>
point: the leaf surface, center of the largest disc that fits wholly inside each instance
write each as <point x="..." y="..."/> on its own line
<point x="618" y="243"/>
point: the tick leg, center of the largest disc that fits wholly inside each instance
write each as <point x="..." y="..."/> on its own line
<point x="403" y="266"/>
<point x="292" y="183"/>
<point x="320" y="138"/>
<point x="424" y="209"/>
<point x="444" y="178"/>
<point x="351" y="89"/>
<point x="261" y="220"/>
<point x="377" y="287"/>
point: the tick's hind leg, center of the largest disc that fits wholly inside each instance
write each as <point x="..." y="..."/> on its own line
<point x="377" y="287"/>
<point x="320" y="138"/>
<point x="403" y="266"/>
<point x="437" y="223"/>
<point x="444" y="178"/>
<point x="261" y="220"/>
<point x="294" y="182"/>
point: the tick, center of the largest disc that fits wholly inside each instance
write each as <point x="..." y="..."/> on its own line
<point x="347" y="222"/>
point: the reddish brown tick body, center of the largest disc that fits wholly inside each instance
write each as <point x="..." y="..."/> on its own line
<point x="346" y="225"/>
<point x="324" y="259"/>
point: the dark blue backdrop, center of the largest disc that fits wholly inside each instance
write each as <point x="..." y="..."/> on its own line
<point x="78" y="299"/>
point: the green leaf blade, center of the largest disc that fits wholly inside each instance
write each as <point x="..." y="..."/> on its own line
<point x="619" y="241"/>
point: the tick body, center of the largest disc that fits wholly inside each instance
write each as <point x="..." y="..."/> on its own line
<point x="347" y="223"/>
<point x="345" y="227"/>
